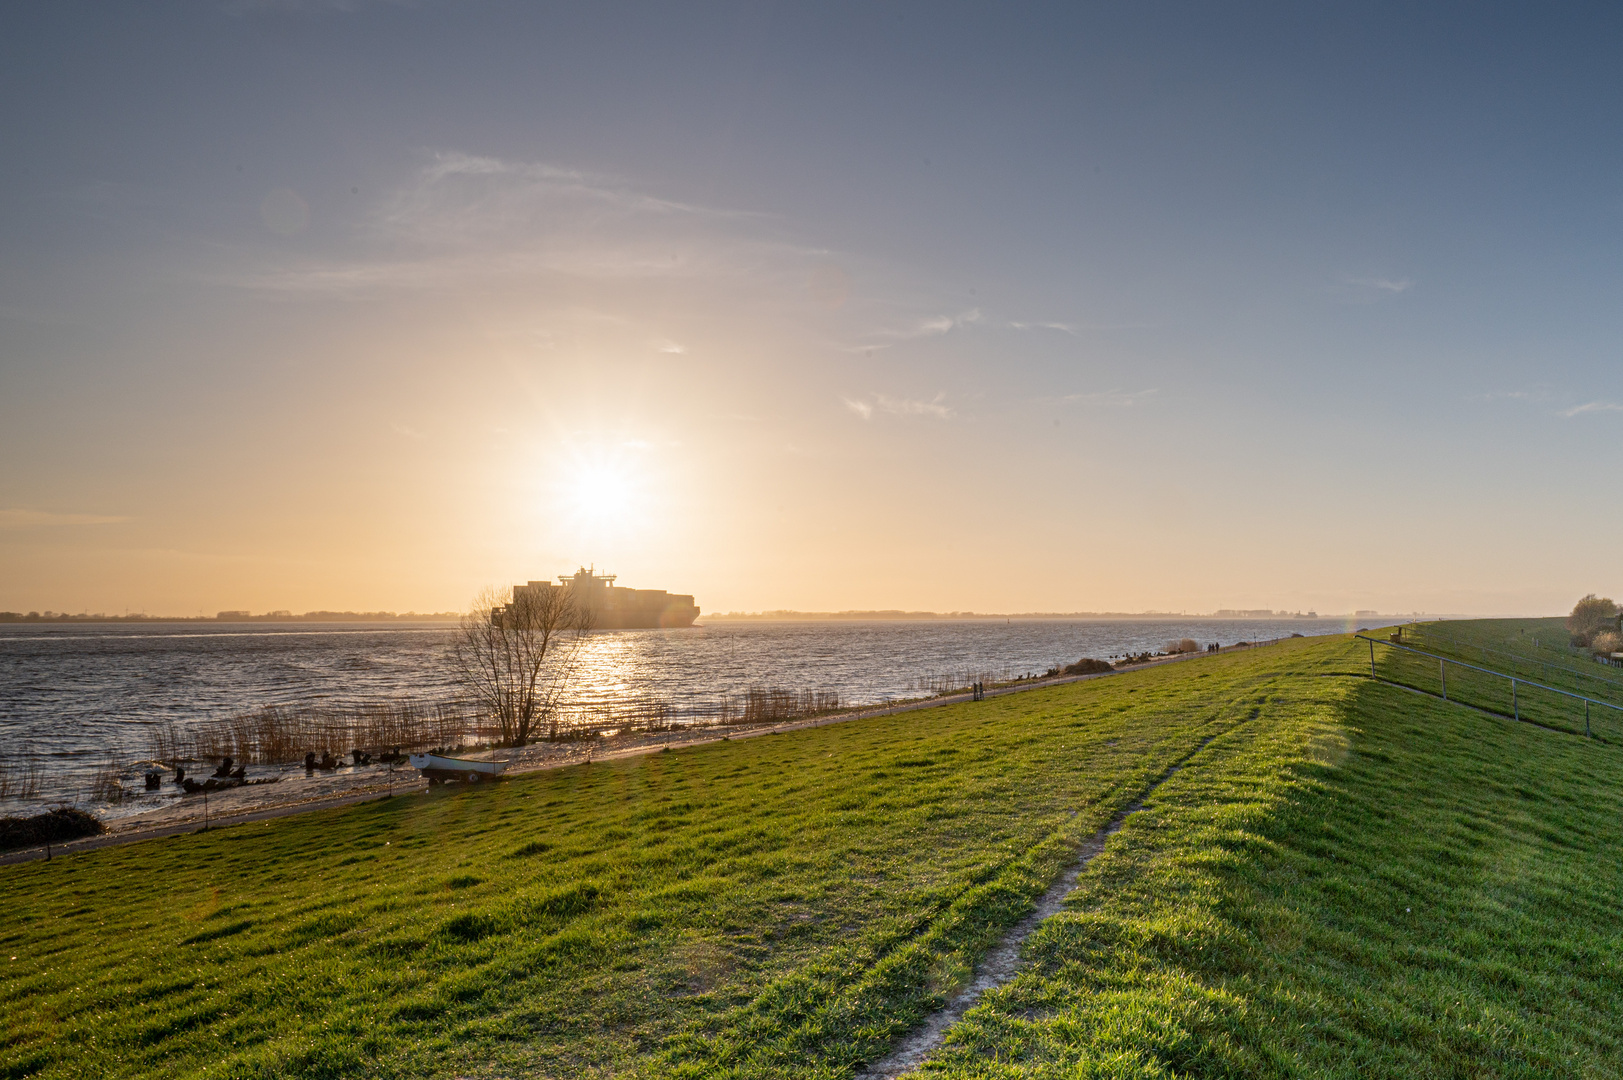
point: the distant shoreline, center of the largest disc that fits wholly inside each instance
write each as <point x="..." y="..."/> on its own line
<point x="319" y="617"/>
<point x="309" y="617"/>
<point x="1119" y="616"/>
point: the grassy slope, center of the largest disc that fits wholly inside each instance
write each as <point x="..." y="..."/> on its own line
<point x="788" y="905"/>
<point x="785" y="904"/>
<point x="1369" y="884"/>
<point x="1534" y="649"/>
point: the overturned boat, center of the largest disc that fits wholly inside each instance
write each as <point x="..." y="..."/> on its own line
<point x="440" y="769"/>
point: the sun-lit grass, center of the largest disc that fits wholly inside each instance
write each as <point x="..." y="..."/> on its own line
<point x="1534" y="651"/>
<point x="1362" y="882"/>
<point x="1344" y="879"/>
<point x="784" y="904"/>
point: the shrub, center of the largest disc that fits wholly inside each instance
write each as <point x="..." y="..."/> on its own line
<point x="1184" y="645"/>
<point x="1086" y="666"/>
<point x="55" y="826"/>
<point x="1607" y="642"/>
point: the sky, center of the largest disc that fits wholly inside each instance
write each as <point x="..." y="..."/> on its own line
<point x="1073" y="307"/>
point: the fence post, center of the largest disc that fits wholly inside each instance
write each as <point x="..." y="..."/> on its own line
<point x="1515" y="709"/>
<point x="1442" y="673"/>
<point x="1586" y="718"/>
<point x="1372" y="658"/>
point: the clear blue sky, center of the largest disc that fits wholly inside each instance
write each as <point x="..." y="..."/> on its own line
<point x="988" y="307"/>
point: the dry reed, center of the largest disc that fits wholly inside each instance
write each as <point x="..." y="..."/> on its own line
<point x="107" y="784"/>
<point x="278" y="734"/>
<point x="281" y="734"/>
<point x="20" y="782"/>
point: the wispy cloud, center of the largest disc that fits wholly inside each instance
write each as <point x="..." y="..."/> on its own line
<point x="17" y="518"/>
<point x="465" y="217"/>
<point x="1121" y="399"/>
<point x="1592" y="407"/>
<point x="1381" y="284"/>
<point x="935" y="325"/>
<point x="313" y="7"/>
<point x="936" y="407"/>
<point x="460" y="197"/>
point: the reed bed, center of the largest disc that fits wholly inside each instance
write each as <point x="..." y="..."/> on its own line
<point x="283" y="734"/>
<point x="960" y="682"/>
<point x="107" y="785"/>
<point x="20" y="781"/>
<point x="279" y="734"/>
<point x="956" y="682"/>
<point x="756" y="705"/>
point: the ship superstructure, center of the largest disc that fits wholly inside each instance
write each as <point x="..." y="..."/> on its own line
<point x="616" y="608"/>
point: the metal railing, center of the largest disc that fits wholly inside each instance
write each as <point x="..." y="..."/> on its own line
<point x="1530" y="661"/>
<point x="1518" y="686"/>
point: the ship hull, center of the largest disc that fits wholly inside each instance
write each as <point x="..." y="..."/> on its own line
<point x="665" y="619"/>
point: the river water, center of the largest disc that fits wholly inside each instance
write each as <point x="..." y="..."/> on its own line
<point x="74" y="697"/>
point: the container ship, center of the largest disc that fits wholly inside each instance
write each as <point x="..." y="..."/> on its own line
<point x="616" y="608"/>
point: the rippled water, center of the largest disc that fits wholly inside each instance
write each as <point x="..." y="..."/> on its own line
<point x="74" y="696"/>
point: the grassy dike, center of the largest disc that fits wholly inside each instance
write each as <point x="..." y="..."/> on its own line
<point x="785" y="903"/>
<point x="789" y="905"/>
<point x="1362" y="882"/>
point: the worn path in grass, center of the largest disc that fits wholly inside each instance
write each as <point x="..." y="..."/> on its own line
<point x="1371" y="883"/>
<point x="786" y="905"/>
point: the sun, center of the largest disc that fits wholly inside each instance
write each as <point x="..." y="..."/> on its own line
<point x="601" y="495"/>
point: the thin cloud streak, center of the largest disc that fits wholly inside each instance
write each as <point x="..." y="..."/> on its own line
<point x="1592" y="407"/>
<point x="468" y="218"/>
<point x="18" y="518"/>
<point x="1391" y="285"/>
<point x="936" y="407"/>
<point x="1121" y="399"/>
<point x="1064" y="328"/>
<point x="935" y="325"/>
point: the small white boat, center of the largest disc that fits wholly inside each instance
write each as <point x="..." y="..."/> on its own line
<point x="440" y="769"/>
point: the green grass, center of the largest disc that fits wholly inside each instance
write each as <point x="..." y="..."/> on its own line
<point x="1536" y="649"/>
<point x="1528" y="649"/>
<point x="1345" y="878"/>
<point x="1362" y="882"/>
<point x="785" y="904"/>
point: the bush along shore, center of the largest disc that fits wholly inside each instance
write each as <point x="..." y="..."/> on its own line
<point x="1325" y="875"/>
<point x="52" y="827"/>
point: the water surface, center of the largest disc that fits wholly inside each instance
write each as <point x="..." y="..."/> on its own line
<point x="74" y="696"/>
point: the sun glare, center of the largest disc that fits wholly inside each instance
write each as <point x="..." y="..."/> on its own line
<point x="601" y="495"/>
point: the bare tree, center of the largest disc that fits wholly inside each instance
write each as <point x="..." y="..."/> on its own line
<point x="516" y="658"/>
